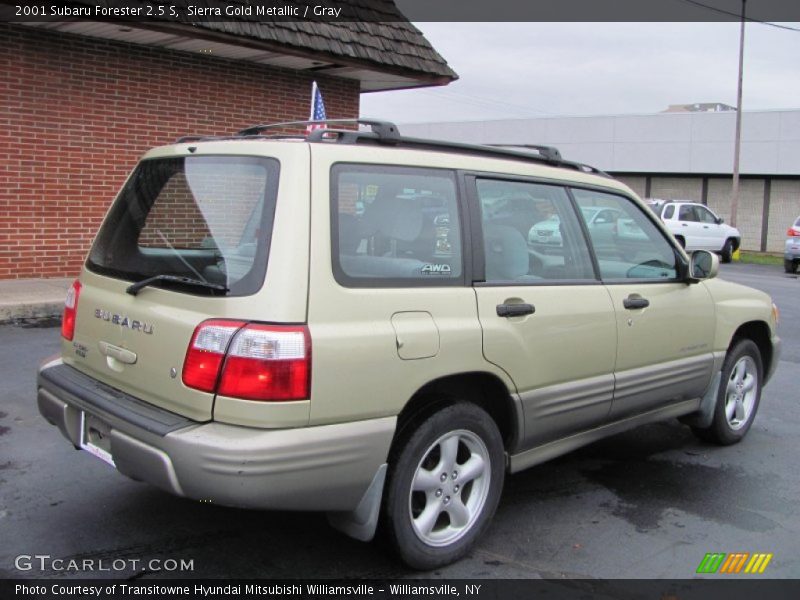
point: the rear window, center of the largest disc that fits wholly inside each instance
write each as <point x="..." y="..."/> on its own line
<point x="207" y="219"/>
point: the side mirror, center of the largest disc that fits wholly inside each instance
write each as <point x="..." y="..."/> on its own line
<point x="703" y="265"/>
<point x="720" y="220"/>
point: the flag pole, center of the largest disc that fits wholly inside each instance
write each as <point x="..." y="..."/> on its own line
<point x="313" y="96"/>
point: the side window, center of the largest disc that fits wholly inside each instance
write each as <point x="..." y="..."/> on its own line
<point x="669" y="211"/>
<point x="686" y="213"/>
<point x="395" y="224"/>
<point x="633" y="247"/>
<point x="531" y="233"/>
<point x="704" y="215"/>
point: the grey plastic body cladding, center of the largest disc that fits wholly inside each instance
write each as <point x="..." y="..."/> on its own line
<point x="675" y="389"/>
<point x="324" y="468"/>
<point x="535" y="456"/>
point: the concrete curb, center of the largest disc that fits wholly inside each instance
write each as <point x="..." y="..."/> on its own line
<point x="22" y="299"/>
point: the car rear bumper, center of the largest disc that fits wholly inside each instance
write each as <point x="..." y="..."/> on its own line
<point x="792" y="249"/>
<point x="327" y="468"/>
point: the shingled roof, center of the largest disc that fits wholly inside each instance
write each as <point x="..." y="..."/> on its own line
<point x="371" y="42"/>
<point x="381" y="36"/>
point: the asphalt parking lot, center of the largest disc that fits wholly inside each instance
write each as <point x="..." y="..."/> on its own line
<point x="648" y="503"/>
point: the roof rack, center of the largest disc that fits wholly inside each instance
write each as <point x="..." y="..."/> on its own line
<point x="387" y="133"/>
<point x="383" y="130"/>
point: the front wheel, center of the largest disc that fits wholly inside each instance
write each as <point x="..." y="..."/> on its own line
<point x="443" y="486"/>
<point x="738" y="396"/>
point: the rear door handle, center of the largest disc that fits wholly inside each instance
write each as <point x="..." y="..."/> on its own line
<point x="633" y="302"/>
<point x="515" y="310"/>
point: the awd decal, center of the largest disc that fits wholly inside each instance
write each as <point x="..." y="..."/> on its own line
<point x="434" y="269"/>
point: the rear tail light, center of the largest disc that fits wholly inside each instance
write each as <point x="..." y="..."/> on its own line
<point x="250" y="361"/>
<point x="268" y="363"/>
<point x="70" y="311"/>
<point x="206" y="353"/>
<point x="792" y="232"/>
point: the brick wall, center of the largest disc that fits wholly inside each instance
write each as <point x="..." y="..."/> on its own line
<point x="684" y="188"/>
<point x="76" y="113"/>
<point x="784" y="208"/>
<point x="749" y="212"/>
<point x="636" y="183"/>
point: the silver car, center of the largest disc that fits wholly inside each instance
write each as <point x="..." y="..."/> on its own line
<point x="791" y="254"/>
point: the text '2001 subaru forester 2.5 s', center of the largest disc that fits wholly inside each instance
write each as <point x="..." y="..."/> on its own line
<point x="359" y="323"/>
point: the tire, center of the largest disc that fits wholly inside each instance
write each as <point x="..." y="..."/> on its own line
<point x="681" y="241"/>
<point x="738" y="396"/>
<point x="455" y="460"/>
<point x="726" y="255"/>
<point x="790" y="266"/>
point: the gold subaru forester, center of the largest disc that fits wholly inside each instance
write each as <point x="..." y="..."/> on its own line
<point x="381" y="327"/>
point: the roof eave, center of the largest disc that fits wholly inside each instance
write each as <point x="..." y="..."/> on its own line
<point x="422" y="78"/>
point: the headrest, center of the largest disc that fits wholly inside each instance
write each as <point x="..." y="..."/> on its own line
<point x="396" y="218"/>
<point x="506" y="253"/>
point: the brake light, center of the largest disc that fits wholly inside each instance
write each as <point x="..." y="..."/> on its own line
<point x="250" y="361"/>
<point x="268" y="362"/>
<point x="792" y="232"/>
<point x="206" y="352"/>
<point x="70" y="311"/>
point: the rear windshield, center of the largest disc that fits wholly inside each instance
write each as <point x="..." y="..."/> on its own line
<point x="203" y="218"/>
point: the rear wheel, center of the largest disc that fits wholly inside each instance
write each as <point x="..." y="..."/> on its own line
<point x="790" y="266"/>
<point x="726" y="255"/>
<point x="443" y="486"/>
<point x="738" y="396"/>
<point x="681" y="241"/>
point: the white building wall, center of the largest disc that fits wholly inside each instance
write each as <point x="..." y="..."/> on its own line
<point x="784" y="208"/>
<point x="675" y="151"/>
<point x="656" y="143"/>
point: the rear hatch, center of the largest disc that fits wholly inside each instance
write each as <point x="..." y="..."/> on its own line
<point x="193" y="234"/>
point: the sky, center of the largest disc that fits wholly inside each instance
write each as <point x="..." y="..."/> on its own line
<point x="518" y="70"/>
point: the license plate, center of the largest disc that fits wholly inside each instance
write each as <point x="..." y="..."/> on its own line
<point x="96" y="438"/>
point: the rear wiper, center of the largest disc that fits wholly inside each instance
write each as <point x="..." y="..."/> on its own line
<point x="136" y="287"/>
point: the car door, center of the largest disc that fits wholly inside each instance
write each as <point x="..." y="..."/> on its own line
<point x="665" y="326"/>
<point x="689" y="227"/>
<point x="709" y="229"/>
<point x="546" y="319"/>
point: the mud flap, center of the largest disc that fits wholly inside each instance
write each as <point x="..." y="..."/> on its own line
<point x="362" y="522"/>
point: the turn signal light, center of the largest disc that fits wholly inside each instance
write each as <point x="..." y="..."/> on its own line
<point x="70" y="311"/>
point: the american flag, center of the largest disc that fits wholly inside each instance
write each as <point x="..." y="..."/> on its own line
<point x="317" y="109"/>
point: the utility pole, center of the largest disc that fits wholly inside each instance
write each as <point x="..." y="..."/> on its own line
<point x="738" y="141"/>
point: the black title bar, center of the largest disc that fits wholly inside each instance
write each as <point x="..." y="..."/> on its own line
<point x="332" y="11"/>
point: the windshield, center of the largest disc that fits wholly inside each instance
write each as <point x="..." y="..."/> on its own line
<point x="206" y="219"/>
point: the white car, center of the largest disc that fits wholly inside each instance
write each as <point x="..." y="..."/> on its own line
<point x="696" y="227"/>
<point x="600" y="220"/>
